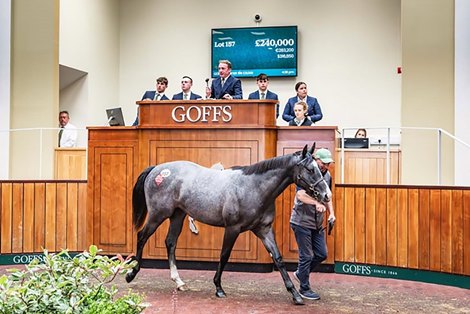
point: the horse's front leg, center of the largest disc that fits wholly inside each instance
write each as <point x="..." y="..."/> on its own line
<point x="266" y="235"/>
<point x="176" y="225"/>
<point x="230" y="236"/>
<point x="142" y="236"/>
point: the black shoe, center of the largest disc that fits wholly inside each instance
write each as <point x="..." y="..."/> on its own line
<point x="309" y="295"/>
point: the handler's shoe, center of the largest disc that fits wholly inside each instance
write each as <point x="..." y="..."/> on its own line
<point x="309" y="295"/>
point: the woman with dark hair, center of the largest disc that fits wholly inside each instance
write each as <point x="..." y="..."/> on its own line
<point x="361" y="133"/>
<point x="314" y="113"/>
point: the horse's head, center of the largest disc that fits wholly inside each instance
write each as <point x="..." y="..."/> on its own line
<point x="308" y="176"/>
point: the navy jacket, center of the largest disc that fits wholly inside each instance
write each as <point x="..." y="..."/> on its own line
<point x="232" y="86"/>
<point x="313" y="112"/>
<point x="150" y="94"/>
<point x="180" y="96"/>
<point x="269" y="95"/>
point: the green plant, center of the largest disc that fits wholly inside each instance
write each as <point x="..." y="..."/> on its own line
<point x="63" y="284"/>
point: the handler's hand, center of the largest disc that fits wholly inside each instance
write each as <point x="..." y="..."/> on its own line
<point x="332" y="217"/>
<point x="320" y="208"/>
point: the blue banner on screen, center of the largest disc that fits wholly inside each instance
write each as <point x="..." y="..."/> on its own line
<point x="255" y="50"/>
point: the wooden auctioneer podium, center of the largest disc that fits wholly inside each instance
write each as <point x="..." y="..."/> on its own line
<point x="230" y="132"/>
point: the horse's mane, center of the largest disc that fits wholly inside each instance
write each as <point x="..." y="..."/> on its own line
<point x="265" y="165"/>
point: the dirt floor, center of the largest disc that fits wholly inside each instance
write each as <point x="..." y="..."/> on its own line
<point x="265" y="293"/>
<point x="259" y="293"/>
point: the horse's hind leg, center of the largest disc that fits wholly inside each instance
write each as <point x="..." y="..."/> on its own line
<point x="176" y="225"/>
<point x="230" y="236"/>
<point x="153" y="221"/>
<point x="267" y="237"/>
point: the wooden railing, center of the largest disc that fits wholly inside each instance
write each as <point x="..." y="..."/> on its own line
<point x="43" y="214"/>
<point x="425" y="228"/>
<point x="416" y="227"/>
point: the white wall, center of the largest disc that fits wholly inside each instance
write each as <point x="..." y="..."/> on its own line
<point x="89" y="42"/>
<point x="462" y="91"/>
<point x="348" y="51"/>
<point x="5" y="30"/>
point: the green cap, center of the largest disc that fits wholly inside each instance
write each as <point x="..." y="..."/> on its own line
<point x="324" y="155"/>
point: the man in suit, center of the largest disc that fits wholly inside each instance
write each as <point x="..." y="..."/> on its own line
<point x="314" y="111"/>
<point x="158" y="94"/>
<point x="225" y="86"/>
<point x="186" y="94"/>
<point x="263" y="93"/>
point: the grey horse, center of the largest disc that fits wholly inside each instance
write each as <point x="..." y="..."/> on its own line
<point x="239" y="199"/>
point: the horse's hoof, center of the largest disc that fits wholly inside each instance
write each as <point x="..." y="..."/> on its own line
<point x="298" y="300"/>
<point x="182" y="287"/>
<point x="220" y="294"/>
<point x="130" y="276"/>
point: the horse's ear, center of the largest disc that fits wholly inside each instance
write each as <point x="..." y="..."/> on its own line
<point x="312" y="149"/>
<point x="304" y="151"/>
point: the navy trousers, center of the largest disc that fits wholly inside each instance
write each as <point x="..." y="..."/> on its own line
<point x="312" y="251"/>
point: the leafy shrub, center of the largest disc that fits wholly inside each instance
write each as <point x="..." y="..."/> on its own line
<point x="63" y="284"/>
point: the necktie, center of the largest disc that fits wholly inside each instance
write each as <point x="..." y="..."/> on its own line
<point x="157" y="96"/>
<point x="185" y="96"/>
<point x="60" y="135"/>
<point x="222" y="82"/>
<point x="262" y="96"/>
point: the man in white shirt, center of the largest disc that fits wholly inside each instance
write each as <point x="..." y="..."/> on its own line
<point x="67" y="132"/>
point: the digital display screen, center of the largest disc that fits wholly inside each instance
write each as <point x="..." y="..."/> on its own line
<point x="255" y="50"/>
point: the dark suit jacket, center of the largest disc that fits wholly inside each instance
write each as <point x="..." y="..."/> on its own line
<point x="306" y="122"/>
<point x="269" y="95"/>
<point x="180" y="96"/>
<point x="232" y="86"/>
<point x="151" y="95"/>
<point x="313" y="112"/>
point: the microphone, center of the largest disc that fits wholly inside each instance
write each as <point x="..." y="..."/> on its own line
<point x="207" y="82"/>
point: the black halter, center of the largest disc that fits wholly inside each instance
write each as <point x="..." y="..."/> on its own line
<point x="311" y="186"/>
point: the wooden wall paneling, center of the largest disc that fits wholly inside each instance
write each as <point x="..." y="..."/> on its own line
<point x="84" y="219"/>
<point x="466" y="232"/>
<point x="435" y="230"/>
<point x="360" y="227"/>
<point x="70" y="164"/>
<point x="338" y="230"/>
<point x="72" y="217"/>
<point x="392" y="237"/>
<point x="29" y="217"/>
<point x="349" y="222"/>
<point x="402" y="227"/>
<point x="381" y="226"/>
<point x="6" y="228"/>
<point x="290" y="251"/>
<point x="457" y="233"/>
<point x="61" y="217"/>
<point x="17" y="218"/>
<point x="370" y="228"/>
<point x="424" y="242"/>
<point x="50" y="217"/>
<point x="39" y="216"/>
<point x="413" y="228"/>
<point x="113" y="179"/>
<point x="446" y="232"/>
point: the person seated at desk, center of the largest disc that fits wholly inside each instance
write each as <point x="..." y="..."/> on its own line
<point x="361" y="133"/>
<point x="158" y="94"/>
<point x="300" y="110"/>
<point x="186" y="94"/>
<point x="314" y="111"/>
<point x="226" y="86"/>
<point x="262" y="81"/>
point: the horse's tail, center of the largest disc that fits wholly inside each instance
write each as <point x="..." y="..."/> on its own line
<point x="139" y="204"/>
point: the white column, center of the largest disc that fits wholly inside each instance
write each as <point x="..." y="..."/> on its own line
<point x="5" y="31"/>
<point x="462" y="91"/>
